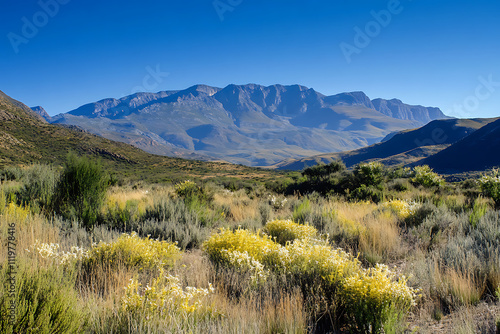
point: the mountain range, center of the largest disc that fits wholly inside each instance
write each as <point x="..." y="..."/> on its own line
<point x="450" y="146"/>
<point x="26" y="138"/>
<point x="246" y="124"/>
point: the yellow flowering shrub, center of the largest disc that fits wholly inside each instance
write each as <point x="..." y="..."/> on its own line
<point x="18" y="213"/>
<point x="51" y="252"/>
<point x="368" y="295"/>
<point x="246" y="264"/>
<point x="401" y="208"/>
<point x="425" y="176"/>
<point x="133" y="251"/>
<point x="286" y="230"/>
<point x="164" y="296"/>
<point x="186" y="188"/>
<point x="372" y="294"/>
<point x="220" y="245"/>
<point x="313" y="263"/>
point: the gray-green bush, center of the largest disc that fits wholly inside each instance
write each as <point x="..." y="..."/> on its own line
<point x="39" y="183"/>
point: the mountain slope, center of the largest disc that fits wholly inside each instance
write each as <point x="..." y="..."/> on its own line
<point x="249" y="124"/>
<point x="402" y="148"/>
<point x="26" y="138"/>
<point x="476" y="152"/>
<point x="12" y="109"/>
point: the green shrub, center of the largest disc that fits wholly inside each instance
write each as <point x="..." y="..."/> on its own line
<point x="400" y="185"/>
<point x="401" y="173"/>
<point x="478" y="211"/>
<point x="81" y="190"/>
<point x="490" y="186"/>
<point x="119" y="216"/>
<point x="3" y="200"/>
<point x="190" y="191"/>
<point x="301" y="212"/>
<point x="425" y="177"/>
<point x="11" y="174"/>
<point x="321" y="171"/>
<point x="45" y="301"/>
<point x="369" y="174"/>
<point x="367" y="193"/>
<point x="437" y="313"/>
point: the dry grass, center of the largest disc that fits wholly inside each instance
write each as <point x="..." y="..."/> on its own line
<point x="377" y="234"/>
<point x="250" y="314"/>
<point x="354" y="211"/>
<point x="464" y="288"/>
<point x="122" y="196"/>
<point x="28" y="228"/>
<point x="241" y="207"/>
<point x="382" y="241"/>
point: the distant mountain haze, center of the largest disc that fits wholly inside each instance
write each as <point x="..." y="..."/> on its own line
<point x="247" y="124"/>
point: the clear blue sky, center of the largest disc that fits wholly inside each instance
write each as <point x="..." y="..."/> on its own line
<point x="434" y="53"/>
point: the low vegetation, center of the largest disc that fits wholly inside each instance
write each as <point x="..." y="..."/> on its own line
<point x="328" y="250"/>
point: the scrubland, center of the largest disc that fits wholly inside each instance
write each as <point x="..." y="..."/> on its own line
<point x="329" y="250"/>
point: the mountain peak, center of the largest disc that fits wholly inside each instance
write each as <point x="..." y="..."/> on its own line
<point x="40" y="111"/>
<point x="210" y="91"/>
<point x="350" y="98"/>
